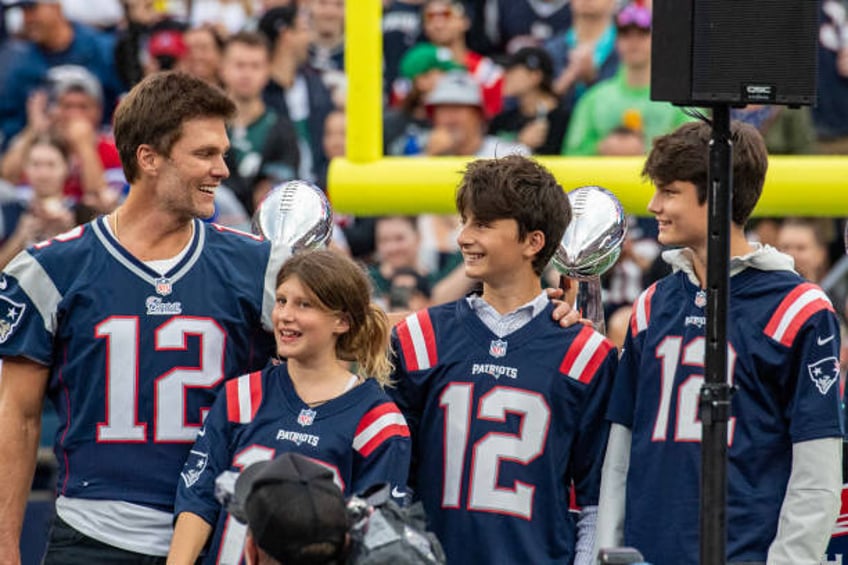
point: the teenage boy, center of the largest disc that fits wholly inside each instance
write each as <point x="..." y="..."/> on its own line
<point x="506" y="407"/>
<point x="785" y="431"/>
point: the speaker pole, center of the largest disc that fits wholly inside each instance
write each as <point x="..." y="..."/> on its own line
<point x="714" y="402"/>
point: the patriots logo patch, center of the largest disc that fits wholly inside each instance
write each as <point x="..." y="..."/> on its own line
<point x="306" y="417"/>
<point x="14" y="313"/>
<point x="194" y="467"/>
<point x="824" y="373"/>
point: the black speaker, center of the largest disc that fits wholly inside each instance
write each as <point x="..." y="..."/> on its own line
<point x="737" y="52"/>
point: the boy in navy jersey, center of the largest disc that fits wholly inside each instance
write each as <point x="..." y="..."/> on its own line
<point x="784" y="435"/>
<point x="505" y="407"/>
<point x="130" y="324"/>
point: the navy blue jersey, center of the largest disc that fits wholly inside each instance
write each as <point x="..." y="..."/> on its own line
<point x="783" y="361"/>
<point x="360" y="435"/>
<point x="135" y="358"/>
<point x="501" y="429"/>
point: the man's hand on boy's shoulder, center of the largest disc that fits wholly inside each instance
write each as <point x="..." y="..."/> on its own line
<point x="563" y="312"/>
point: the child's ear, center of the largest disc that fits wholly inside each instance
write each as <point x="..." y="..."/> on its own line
<point x="535" y="241"/>
<point x="342" y="324"/>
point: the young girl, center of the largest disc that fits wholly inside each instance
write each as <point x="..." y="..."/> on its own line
<point x="310" y="404"/>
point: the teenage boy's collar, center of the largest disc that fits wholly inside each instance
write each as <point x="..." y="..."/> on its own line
<point x="763" y="257"/>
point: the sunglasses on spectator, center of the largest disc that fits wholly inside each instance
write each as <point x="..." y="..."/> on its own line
<point x="634" y="16"/>
<point x="441" y="13"/>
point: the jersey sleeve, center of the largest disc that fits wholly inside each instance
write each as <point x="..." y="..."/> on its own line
<point x="622" y="401"/>
<point x="382" y="450"/>
<point x="805" y="323"/>
<point x="415" y="354"/>
<point x="597" y="374"/>
<point x="29" y="302"/>
<point x="208" y="458"/>
<point x="623" y="396"/>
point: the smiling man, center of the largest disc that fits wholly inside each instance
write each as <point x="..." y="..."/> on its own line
<point x="130" y="324"/>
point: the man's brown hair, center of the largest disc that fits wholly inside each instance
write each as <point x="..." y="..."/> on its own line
<point x="155" y="109"/>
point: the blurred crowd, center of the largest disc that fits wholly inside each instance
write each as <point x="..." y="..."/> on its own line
<point x="460" y="77"/>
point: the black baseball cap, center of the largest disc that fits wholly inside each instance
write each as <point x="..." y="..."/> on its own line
<point x="294" y="510"/>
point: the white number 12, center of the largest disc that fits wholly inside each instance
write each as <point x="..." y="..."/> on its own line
<point x="687" y="422"/>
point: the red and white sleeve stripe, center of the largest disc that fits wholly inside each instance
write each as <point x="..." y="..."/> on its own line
<point x="244" y="395"/>
<point x="585" y="355"/>
<point x="418" y="341"/>
<point x="378" y="425"/>
<point x="794" y="310"/>
<point x="642" y="310"/>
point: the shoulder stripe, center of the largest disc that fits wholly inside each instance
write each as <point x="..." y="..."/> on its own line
<point x="418" y="341"/>
<point x="376" y="426"/>
<point x="794" y="310"/>
<point x="587" y="352"/>
<point x="38" y="285"/>
<point x="642" y="310"/>
<point x="244" y="395"/>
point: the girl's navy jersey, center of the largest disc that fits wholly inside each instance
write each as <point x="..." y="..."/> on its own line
<point x="135" y="358"/>
<point x="361" y="436"/>
<point x="783" y="358"/>
<point x="502" y="430"/>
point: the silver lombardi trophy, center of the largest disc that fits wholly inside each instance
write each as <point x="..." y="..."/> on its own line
<point x="591" y="245"/>
<point x="295" y="214"/>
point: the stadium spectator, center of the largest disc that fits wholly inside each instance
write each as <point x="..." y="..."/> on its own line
<point x="785" y="431"/>
<point x="150" y="311"/>
<point x="132" y="38"/>
<point x="409" y="290"/>
<point x="539" y="118"/>
<point x="787" y="131"/>
<point x="831" y="111"/>
<point x="326" y="49"/>
<point x="585" y="53"/>
<point x="72" y="108"/>
<point x="204" y="50"/>
<point x="623" y="141"/>
<point x="623" y="100"/>
<point x="401" y="30"/>
<point x="52" y="40"/>
<point x="264" y="144"/>
<point x="505" y="26"/>
<point x="481" y="368"/>
<point x="445" y="25"/>
<point x="399" y="246"/>
<point x="807" y="241"/>
<point x="45" y="212"/>
<point x="407" y="126"/>
<point x="166" y="47"/>
<point x="295" y="90"/>
<point x="322" y="319"/>
<point x="459" y="121"/>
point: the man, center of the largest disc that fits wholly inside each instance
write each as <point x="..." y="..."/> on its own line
<point x="459" y="121"/>
<point x="130" y="324"/>
<point x="295" y="90"/>
<point x="623" y="100"/>
<point x="264" y="150"/>
<point x="445" y="25"/>
<point x="52" y="40"/>
<point x="785" y="431"/>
